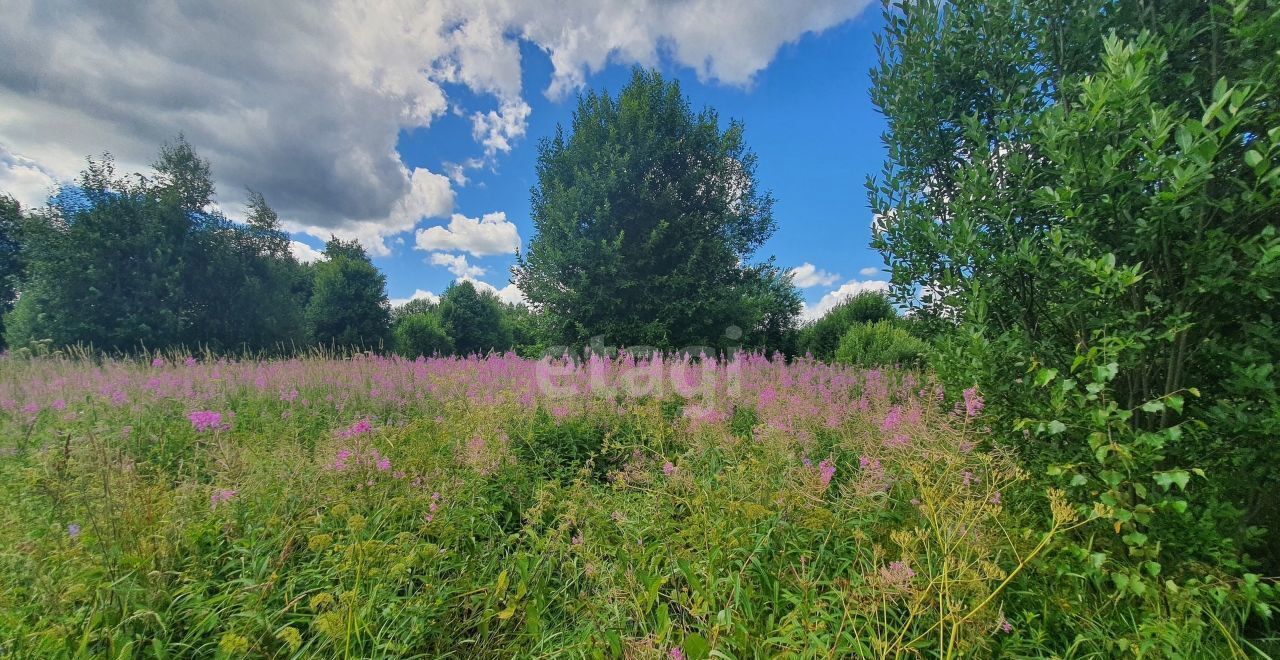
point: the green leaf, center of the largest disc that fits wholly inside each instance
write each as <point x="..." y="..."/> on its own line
<point x="1252" y="158"/>
<point x="695" y="647"/>
<point x="1153" y="406"/>
<point x="1044" y="376"/>
<point x="1056" y="427"/>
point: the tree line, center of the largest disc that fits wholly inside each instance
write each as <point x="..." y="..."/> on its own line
<point x="647" y="218"/>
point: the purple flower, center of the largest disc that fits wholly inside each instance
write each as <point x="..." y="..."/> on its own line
<point x="383" y="464"/>
<point x="826" y="470"/>
<point x="158" y="362"/>
<point x="1004" y="625"/>
<point x="676" y="653"/>
<point x="73" y="531"/>
<point x="668" y="468"/>
<point x="995" y="497"/>
<point x="220" y="496"/>
<point x="973" y="403"/>
<point x="204" y="420"/>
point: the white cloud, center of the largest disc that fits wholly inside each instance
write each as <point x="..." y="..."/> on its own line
<point x="26" y="180"/>
<point x="508" y="294"/>
<point x="418" y="294"/>
<point x="806" y="275"/>
<point x="832" y="298"/>
<point x="497" y="130"/>
<point x="305" y="253"/>
<point x="869" y="271"/>
<point x="456" y="263"/>
<point x="304" y="100"/>
<point x="491" y="234"/>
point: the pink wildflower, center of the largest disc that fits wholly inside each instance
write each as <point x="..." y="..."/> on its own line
<point x="826" y="470"/>
<point x="973" y="403"/>
<point x="668" y="468"/>
<point x="676" y="653"/>
<point x="204" y="420"/>
<point x="220" y="497"/>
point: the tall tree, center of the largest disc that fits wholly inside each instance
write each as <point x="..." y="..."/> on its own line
<point x="10" y="256"/>
<point x="474" y="319"/>
<point x="349" y="305"/>
<point x="646" y="216"/>
<point x="1093" y="195"/>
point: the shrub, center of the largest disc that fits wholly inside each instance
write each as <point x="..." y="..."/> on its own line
<point x="822" y="337"/>
<point x="421" y="334"/>
<point x="884" y="343"/>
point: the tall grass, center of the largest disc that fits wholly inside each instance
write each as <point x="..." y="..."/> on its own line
<point x="372" y="507"/>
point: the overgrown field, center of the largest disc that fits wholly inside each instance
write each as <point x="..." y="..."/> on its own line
<point x="502" y="507"/>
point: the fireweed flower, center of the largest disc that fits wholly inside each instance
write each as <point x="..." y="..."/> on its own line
<point x="676" y="653"/>
<point x="973" y="403"/>
<point x="204" y="420"/>
<point x="220" y="496"/>
<point x="967" y="478"/>
<point x="158" y="362"/>
<point x="668" y="468"/>
<point x="826" y="470"/>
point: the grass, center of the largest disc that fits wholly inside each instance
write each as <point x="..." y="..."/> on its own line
<point x="500" y="507"/>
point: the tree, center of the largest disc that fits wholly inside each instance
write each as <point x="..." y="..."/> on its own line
<point x="1095" y="193"/>
<point x="421" y="334"/>
<point x="645" y="218"/>
<point x="474" y="319"/>
<point x="11" y="268"/>
<point x="349" y="306"/>
<point x="880" y="344"/>
<point x="822" y="337"/>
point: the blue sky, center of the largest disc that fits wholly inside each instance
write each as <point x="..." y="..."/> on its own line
<point x="353" y="119"/>
<point x="808" y="117"/>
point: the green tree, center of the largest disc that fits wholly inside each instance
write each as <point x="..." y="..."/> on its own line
<point x="822" y="337"/>
<point x="880" y="344"/>
<point x="645" y="217"/>
<point x="421" y="334"/>
<point x="11" y="268"/>
<point x="349" y="305"/>
<point x="1092" y="195"/>
<point x="474" y="319"/>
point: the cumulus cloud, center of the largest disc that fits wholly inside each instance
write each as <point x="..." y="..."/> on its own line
<point x="807" y="275"/>
<point x="498" y="130"/>
<point x="418" y="294"/>
<point x="832" y="298"/>
<point x="869" y="271"/>
<point x="508" y="294"/>
<point x="456" y="263"/>
<point x="305" y="253"/>
<point x="305" y="100"/>
<point x="491" y="234"/>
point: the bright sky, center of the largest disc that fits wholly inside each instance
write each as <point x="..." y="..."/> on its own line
<point x="414" y="126"/>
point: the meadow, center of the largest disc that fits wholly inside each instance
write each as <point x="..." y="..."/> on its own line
<point x="499" y="507"/>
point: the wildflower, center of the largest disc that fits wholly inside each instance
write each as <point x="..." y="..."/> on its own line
<point x="204" y="420"/>
<point x="59" y="404"/>
<point x="220" y="497"/>
<point x="291" y="638"/>
<point x="319" y="542"/>
<point x="995" y="497"/>
<point x="158" y="362"/>
<point x="31" y="408"/>
<point x="897" y="575"/>
<point x="190" y="361"/>
<point x="359" y="428"/>
<point x="973" y="403"/>
<point x="73" y="531"/>
<point x="967" y="478"/>
<point x="578" y="539"/>
<point x="340" y="461"/>
<point x="398" y="474"/>
<point x="668" y="468"/>
<point x="826" y="470"/>
<point x="892" y="419"/>
<point x="383" y="464"/>
<point x="1004" y="625"/>
<point x="676" y="653"/>
<point x="232" y="644"/>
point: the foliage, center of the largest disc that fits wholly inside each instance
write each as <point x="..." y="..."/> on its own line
<point x="645" y="216"/>
<point x="1092" y="196"/>
<point x="10" y="257"/>
<point x="421" y="334"/>
<point x="349" y="305"/>
<point x="126" y="262"/>
<point x="474" y="319"/>
<point x="879" y="344"/>
<point x="822" y="337"/>
<point x="368" y="507"/>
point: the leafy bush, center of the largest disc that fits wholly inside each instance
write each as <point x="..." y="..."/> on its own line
<point x="884" y="343"/>
<point x="1092" y="200"/>
<point x="421" y="334"/>
<point x="822" y="338"/>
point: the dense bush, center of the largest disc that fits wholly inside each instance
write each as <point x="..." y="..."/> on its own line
<point x="879" y="344"/>
<point x="421" y="334"/>
<point x="1091" y="198"/>
<point x="822" y="337"/>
